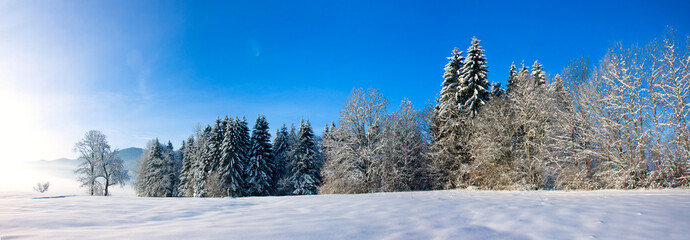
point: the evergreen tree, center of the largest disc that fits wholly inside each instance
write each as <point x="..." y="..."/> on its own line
<point x="305" y="176"/>
<point x="496" y="90"/>
<point x="473" y="91"/>
<point x="186" y="172"/>
<point x="512" y="76"/>
<point x="232" y="166"/>
<point x="524" y="70"/>
<point x="203" y="162"/>
<point x="155" y="173"/>
<point x="292" y="143"/>
<point x="261" y="168"/>
<point x="280" y="157"/>
<point x="448" y="104"/>
<point x="538" y="74"/>
<point x="243" y="147"/>
<point x="214" y="142"/>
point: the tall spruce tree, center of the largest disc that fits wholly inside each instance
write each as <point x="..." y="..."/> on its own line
<point x="261" y="168"/>
<point x="243" y="146"/>
<point x="473" y="91"/>
<point x="305" y="176"/>
<point x="232" y="167"/>
<point x="524" y="70"/>
<point x="538" y="74"/>
<point x="187" y="170"/>
<point x="155" y="172"/>
<point x="203" y="162"/>
<point x="280" y="158"/>
<point x="448" y="102"/>
<point x="496" y="90"/>
<point x="512" y="76"/>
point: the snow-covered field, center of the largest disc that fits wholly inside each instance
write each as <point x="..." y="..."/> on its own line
<point x="659" y="214"/>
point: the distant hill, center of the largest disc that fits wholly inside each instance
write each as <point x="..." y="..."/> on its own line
<point x="130" y="157"/>
<point x="64" y="167"/>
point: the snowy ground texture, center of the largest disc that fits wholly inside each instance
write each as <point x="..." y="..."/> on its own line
<point x="465" y="214"/>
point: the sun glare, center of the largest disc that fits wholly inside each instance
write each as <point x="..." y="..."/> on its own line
<point x="22" y="140"/>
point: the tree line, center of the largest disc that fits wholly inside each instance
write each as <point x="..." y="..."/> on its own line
<point x="225" y="159"/>
<point x="619" y="124"/>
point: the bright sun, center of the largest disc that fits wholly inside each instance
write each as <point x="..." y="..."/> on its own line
<point x="22" y="139"/>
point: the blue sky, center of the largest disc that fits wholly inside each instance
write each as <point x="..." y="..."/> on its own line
<point x="142" y="69"/>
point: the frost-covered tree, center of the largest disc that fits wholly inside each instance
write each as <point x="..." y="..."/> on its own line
<point x="202" y="165"/>
<point x="91" y="149"/>
<point x="538" y="74"/>
<point x="304" y="177"/>
<point x="281" y="150"/>
<point x="97" y="161"/>
<point x="530" y="105"/>
<point x="42" y="187"/>
<point x="448" y="102"/>
<point x="184" y="188"/>
<point x="674" y="93"/>
<point x="622" y="131"/>
<point x="492" y="146"/>
<point x="404" y="157"/>
<point x="260" y="169"/>
<point x="112" y="171"/>
<point x="232" y="167"/>
<point x="473" y="91"/>
<point x="354" y="147"/>
<point x="496" y="90"/>
<point x="512" y="74"/>
<point x="154" y="177"/>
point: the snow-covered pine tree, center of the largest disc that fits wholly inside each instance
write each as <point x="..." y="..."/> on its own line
<point x="496" y="90"/>
<point x="232" y="167"/>
<point x="473" y="91"/>
<point x="179" y="161"/>
<point x="524" y="70"/>
<point x="447" y="125"/>
<point x="538" y="73"/>
<point x="203" y="162"/>
<point x="243" y="147"/>
<point x="280" y="158"/>
<point x="260" y="169"/>
<point x="187" y="171"/>
<point x="292" y="143"/>
<point x="214" y="142"/>
<point x="448" y="103"/>
<point x="512" y="74"/>
<point x="155" y="172"/>
<point x="169" y="152"/>
<point x="305" y="176"/>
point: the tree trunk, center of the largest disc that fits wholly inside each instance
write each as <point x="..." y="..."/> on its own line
<point x="107" y="183"/>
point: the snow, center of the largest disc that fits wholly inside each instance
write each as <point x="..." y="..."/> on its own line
<point x="464" y="214"/>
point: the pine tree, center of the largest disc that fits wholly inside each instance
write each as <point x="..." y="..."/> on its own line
<point x="243" y="147"/>
<point x="473" y="91"/>
<point x="155" y="173"/>
<point x="280" y="158"/>
<point x="512" y="75"/>
<point x="448" y="104"/>
<point x="538" y="74"/>
<point x="215" y="140"/>
<point x="292" y="143"/>
<point x="203" y="162"/>
<point x="186" y="172"/>
<point x="524" y="70"/>
<point x="232" y="167"/>
<point x="305" y="176"/>
<point x="496" y="90"/>
<point x="261" y="169"/>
